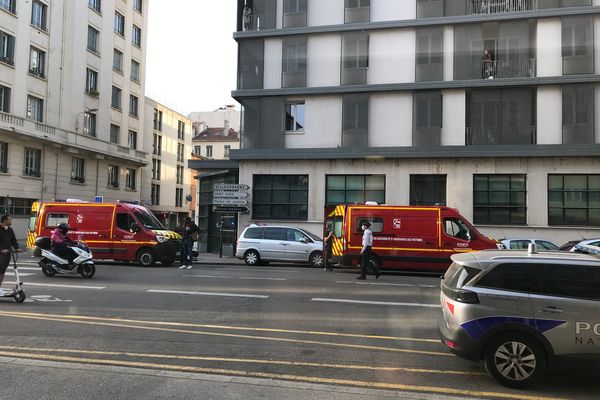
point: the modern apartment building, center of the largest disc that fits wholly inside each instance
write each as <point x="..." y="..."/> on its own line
<point x="489" y="106"/>
<point x="168" y="181"/>
<point x="71" y="101"/>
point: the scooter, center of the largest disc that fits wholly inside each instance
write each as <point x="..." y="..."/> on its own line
<point x="17" y="292"/>
<point x="82" y="264"/>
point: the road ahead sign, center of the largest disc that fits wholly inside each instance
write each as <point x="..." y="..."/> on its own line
<point x="229" y="202"/>
<point x="224" y="193"/>
<point x="230" y="209"/>
<point x="230" y="186"/>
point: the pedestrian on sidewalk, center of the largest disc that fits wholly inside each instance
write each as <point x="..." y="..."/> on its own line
<point x="327" y="247"/>
<point x="189" y="235"/>
<point x="8" y="243"/>
<point x="365" y="252"/>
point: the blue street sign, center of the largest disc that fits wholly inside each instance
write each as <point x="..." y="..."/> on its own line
<point x="98" y="199"/>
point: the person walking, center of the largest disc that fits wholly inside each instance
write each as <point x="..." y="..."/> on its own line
<point x="188" y="237"/>
<point x="327" y="247"/>
<point x="365" y="252"/>
<point x="8" y="242"/>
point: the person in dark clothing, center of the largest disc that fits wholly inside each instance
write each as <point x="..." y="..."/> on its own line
<point x="188" y="237"/>
<point x="327" y="248"/>
<point x="365" y="252"/>
<point x="8" y="243"/>
<point x="60" y="242"/>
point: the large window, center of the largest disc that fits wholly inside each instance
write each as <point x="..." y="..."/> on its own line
<point x="355" y="58"/>
<point x="157" y="144"/>
<point x="3" y="157"/>
<point x="156" y="168"/>
<point x="355" y="121"/>
<point x="89" y="124"/>
<point x="294" y="117"/>
<point x="158" y="120"/>
<point x="155" y="194"/>
<point x="209" y="151"/>
<point x="181" y="129"/>
<point x="115" y="133"/>
<point x="113" y="176"/>
<point x="574" y="200"/>
<point x="578" y="114"/>
<point x="16" y="206"/>
<point x="33" y="162"/>
<point x="137" y="5"/>
<point x="429" y="54"/>
<point x="92" y="42"/>
<point x="294" y="13"/>
<point x="119" y="24"/>
<point x="348" y="189"/>
<point x="77" y="170"/>
<point x="39" y="14"/>
<point x="226" y="149"/>
<point x="179" y="178"/>
<point x="37" y="62"/>
<point x="8" y="5"/>
<point x="280" y="197"/>
<point x="7" y="48"/>
<point x="115" y="101"/>
<point x="500" y="199"/>
<point x="577" y="45"/>
<point x="178" y="197"/>
<point x="35" y="109"/>
<point x="294" y="62"/>
<point x="136" y="36"/>
<point x="117" y="60"/>
<point x="181" y="152"/>
<point x="133" y="106"/>
<point x="91" y="81"/>
<point x="4" y="99"/>
<point x="130" y="179"/>
<point x="427" y="190"/>
<point x="427" y="120"/>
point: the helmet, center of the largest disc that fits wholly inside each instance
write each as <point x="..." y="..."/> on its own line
<point x="63" y="227"/>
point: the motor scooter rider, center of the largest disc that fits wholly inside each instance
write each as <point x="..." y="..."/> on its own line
<point x="60" y="242"/>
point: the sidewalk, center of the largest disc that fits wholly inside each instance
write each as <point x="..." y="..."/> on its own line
<point x="211" y="258"/>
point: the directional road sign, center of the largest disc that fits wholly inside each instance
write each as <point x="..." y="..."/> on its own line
<point x="243" y="210"/>
<point x="223" y="193"/>
<point x="230" y="186"/>
<point x="229" y="202"/>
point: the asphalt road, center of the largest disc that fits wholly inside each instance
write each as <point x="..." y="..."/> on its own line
<point x="232" y="331"/>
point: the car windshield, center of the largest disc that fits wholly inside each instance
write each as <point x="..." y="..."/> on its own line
<point x="148" y="220"/>
<point x="312" y="236"/>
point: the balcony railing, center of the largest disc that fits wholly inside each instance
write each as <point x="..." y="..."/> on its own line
<point x="251" y="23"/>
<point x="499" y="6"/>
<point x="498" y="136"/>
<point x="512" y="69"/>
<point x="11" y="119"/>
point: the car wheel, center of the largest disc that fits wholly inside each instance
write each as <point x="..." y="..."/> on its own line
<point x="515" y="360"/>
<point x="316" y="259"/>
<point x="146" y="257"/>
<point x="252" y="257"/>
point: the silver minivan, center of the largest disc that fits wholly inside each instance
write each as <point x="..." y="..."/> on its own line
<point x="519" y="311"/>
<point x="262" y="244"/>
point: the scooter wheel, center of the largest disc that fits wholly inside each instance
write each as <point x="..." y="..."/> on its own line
<point x="20" y="296"/>
<point x="47" y="270"/>
<point x="87" y="271"/>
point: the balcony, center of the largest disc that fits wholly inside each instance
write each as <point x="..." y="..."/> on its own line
<point x="500" y="6"/>
<point x="482" y="136"/>
<point x="513" y="69"/>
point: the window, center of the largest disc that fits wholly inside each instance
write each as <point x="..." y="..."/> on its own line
<point x="355" y="59"/>
<point x="35" y="109"/>
<point x="574" y="281"/>
<point x="113" y="176"/>
<point x="3" y="157"/>
<point x="16" y="205"/>
<point x="376" y="224"/>
<point x="95" y="5"/>
<point x="53" y="219"/>
<point x="499" y="199"/>
<point x="117" y="60"/>
<point x="356" y="11"/>
<point x="4" y="99"/>
<point x="119" y="24"/>
<point x="294" y="62"/>
<point x="37" y="62"/>
<point x="578" y="114"/>
<point x="136" y="36"/>
<point x="125" y="221"/>
<point x="92" y="43"/>
<point x="457" y="228"/>
<point x="574" y="200"/>
<point x="89" y="124"/>
<point x="116" y="98"/>
<point x="155" y="168"/>
<point x="178" y="197"/>
<point x="7" y="48"/>
<point x="8" y="5"/>
<point x="427" y="190"/>
<point x="130" y="179"/>
<point x="39" y="12"/>
<point x="180" y="129"/>
<point x="137" y="5"/>
<point x="180" y="152"/>
<point x="133" y="106"/>
<point x="254" y="233"/>
<point x="294" y="117"/>
<point x="577" y="45"/>
<point x="280" y="197"/>
<point x="294" y="13"/>
<point x="77" y="170"/>
<point x="158" y="120"/>
<point x="226" y="149"/>
<point x="209" y="151"/>
<point x="348" y="189"/>
<point x="429" y="54"/>
<point x="157" y="145"/>
<point x="91" y="81"/>
<point x="198" y="150"/>
<point x="33" y="161"/>
<point x="115" y="132"/>
<point x="355" y="120"/>
<point x="132" y="140"/>
<point x="135" y="71"/>
<point x="427" y="118"/>
<point x="179" y="179"/>
<point x="155" y="194"/>
<point x="515" y="277"/>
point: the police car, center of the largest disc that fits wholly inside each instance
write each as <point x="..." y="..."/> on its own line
<point x="520" y="310"/>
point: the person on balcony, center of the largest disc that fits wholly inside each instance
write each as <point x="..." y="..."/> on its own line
<point x="247" y="17"/>
<point x="487" y="65"/>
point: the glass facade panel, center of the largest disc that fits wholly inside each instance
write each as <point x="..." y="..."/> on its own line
<point x="427" y="190"/>
<point x="348" y="189"/>
<point x="497" y="200"/>
<point x="573" y="200"/>
<point x="280" y="197"/>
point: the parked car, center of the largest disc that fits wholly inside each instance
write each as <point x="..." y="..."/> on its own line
<point x="571" y="246"/>
<point x="521" y="311"/>
<point x="522" y="244"/>
<point x="261" y="244"/>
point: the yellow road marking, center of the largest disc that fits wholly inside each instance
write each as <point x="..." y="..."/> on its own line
<point x="296" y="378"/>
<point x="265" y="338"/>
<point x="225" y="327"/>
<point x="243" y="360"/>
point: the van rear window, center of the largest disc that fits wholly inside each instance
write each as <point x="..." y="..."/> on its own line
<point x="254" y="233"/>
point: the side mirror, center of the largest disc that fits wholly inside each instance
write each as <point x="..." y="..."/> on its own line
<point x="303" y="241"/>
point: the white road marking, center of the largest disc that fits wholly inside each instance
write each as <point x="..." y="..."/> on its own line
<point x="263" y="269"/>
<point x="252" y="296"/>
<point x="30" y="268"/>
<point x="429" y="286"/>
<point x="380" y="303"/>
<point x="236" y="277"/>
<point x="262" y="279"/>
<point x="376" y="283"/>
<point x="20" y="273"/>
<point x="63" y="286"/>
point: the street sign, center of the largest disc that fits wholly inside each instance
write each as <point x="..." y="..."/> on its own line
<point x="243" y="210"/>
<point x="229" y="202"/>
<point x="230" y="186"/>
<point x="222" y="193"/>
<point x="98" y="199"/>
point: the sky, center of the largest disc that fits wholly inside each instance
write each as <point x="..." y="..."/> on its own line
<point x="191" y="55"/>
